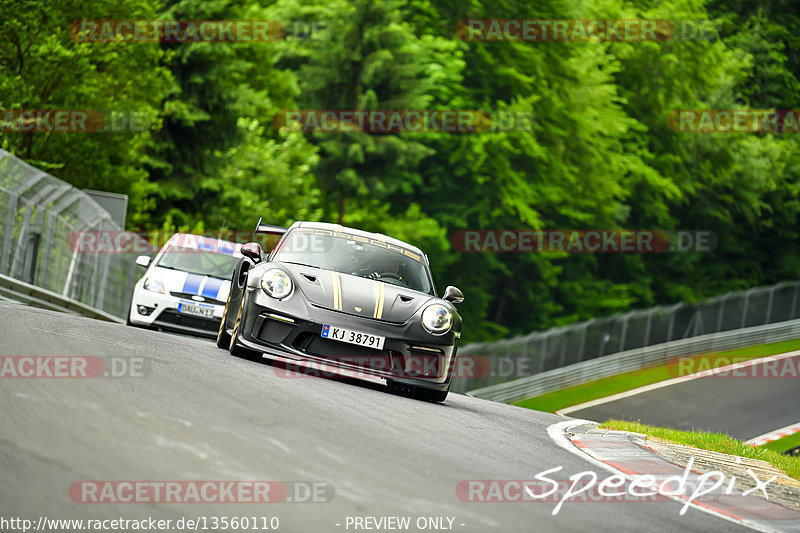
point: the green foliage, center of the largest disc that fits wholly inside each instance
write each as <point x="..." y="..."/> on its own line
<point x="42" y="68"/>
<point x="598" y="155"/>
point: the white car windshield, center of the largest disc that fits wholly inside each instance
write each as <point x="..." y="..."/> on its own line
<point x="200" y="262"/>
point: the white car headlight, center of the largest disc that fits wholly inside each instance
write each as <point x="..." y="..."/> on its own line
<point x="276" y="283"/>
<point x="155" y="285"/>
<point x="437" y="319"/>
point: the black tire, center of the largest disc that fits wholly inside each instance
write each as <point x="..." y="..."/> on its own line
<point x="223" y="337"/>
<point x="233" y="348"/>
<point x="428" y="395"/>
<point x="418" y="393"/>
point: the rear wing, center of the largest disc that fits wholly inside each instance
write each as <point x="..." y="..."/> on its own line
<point x="268" y="229"/>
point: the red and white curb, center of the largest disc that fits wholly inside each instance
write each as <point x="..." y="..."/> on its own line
<point x="787" y="431"/>
<point x="626" y="454"/>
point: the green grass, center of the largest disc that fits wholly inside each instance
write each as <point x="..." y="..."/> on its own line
<point x="715" y="442"/>
<point x="781" y="445"/>
<point x="600" y="388"/>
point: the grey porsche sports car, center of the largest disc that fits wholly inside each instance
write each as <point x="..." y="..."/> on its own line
<point x="351" y="300"/>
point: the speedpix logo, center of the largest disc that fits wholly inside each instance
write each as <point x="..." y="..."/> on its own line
<point x="588" y="487"/>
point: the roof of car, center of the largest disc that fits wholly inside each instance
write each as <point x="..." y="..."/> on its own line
<point x="352" y="231"/>
<point x="210" y="244"/>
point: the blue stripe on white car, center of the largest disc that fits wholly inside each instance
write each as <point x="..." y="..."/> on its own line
<point x="206" y="244"/>
<point x="211" y="288"/>
<point x="192" y="284"/>
<point x="226" y="247"/>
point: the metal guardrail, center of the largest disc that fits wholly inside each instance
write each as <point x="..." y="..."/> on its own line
<point x="51" y="300"/>
<point x="627" y="361"/>
<point x="41" y="217"/>
<point x="598" y="339"/>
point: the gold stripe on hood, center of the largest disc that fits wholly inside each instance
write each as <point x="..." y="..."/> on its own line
<point x="380" y="293"/>
<point x="337" y="291"/>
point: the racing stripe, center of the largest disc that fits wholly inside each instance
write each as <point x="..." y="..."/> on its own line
<point x="226" y="247"/>
<point x="337" y="291"/>
<point x="379" y="297"/>
<point x="206" y="243"/>
<point x="211" y="288"/>
<point x="192" y="283"/>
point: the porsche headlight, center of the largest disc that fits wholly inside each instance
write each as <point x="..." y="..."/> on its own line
<point x="437" y="319"/>
<point x="155" y="285"/>
<point x="276" y="283"/>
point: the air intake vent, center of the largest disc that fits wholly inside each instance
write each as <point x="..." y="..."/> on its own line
<point x="309" y="277"/>
<point x="405" y="299"/>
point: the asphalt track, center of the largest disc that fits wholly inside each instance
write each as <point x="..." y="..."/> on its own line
<point x="200" y="414"/>
<point x="743" y="407"/>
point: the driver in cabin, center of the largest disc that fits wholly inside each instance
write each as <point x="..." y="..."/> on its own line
<point x="386" y="266"/>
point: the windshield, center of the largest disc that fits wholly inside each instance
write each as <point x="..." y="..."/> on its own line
<point x="356" y="255"/>
<point x="200" y="262"/>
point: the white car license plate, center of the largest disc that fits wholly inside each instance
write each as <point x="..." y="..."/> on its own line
<point x="353" y="337"/>
<point x="196" y="310"/>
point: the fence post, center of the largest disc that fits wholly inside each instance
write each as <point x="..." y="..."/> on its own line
<point x="721" y="311"/>
<point x="744" y="310"/>
<point x="646" y="341"/>
<point x="13" y="201"/>
<point x="769" y="305"/>
<point x="671" y="325"/>
<point x="623" y="332"/>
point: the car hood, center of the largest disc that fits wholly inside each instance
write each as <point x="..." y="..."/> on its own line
<point x="355" y="295"/>
<point x="177" y="281"/>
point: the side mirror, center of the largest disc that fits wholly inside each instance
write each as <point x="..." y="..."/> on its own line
<point x="252" y="250"/>
<point x="143" y="261"/>
<point x="453" y="295"/>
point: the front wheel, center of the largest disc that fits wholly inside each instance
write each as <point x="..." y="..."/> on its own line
<point x="418" y="393"/>
<point x="235" y="349"/>
<point x="223" y="337"/>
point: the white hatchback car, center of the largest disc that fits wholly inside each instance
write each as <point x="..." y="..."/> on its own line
<point x="186" y="286"/>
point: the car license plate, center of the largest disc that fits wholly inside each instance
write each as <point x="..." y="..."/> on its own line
<point x="196" y="310"/>
<point x="353" y="337"/>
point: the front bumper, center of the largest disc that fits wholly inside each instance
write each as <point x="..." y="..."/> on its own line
<point x="291" y="329"/>
<point x="165" y="314"/>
